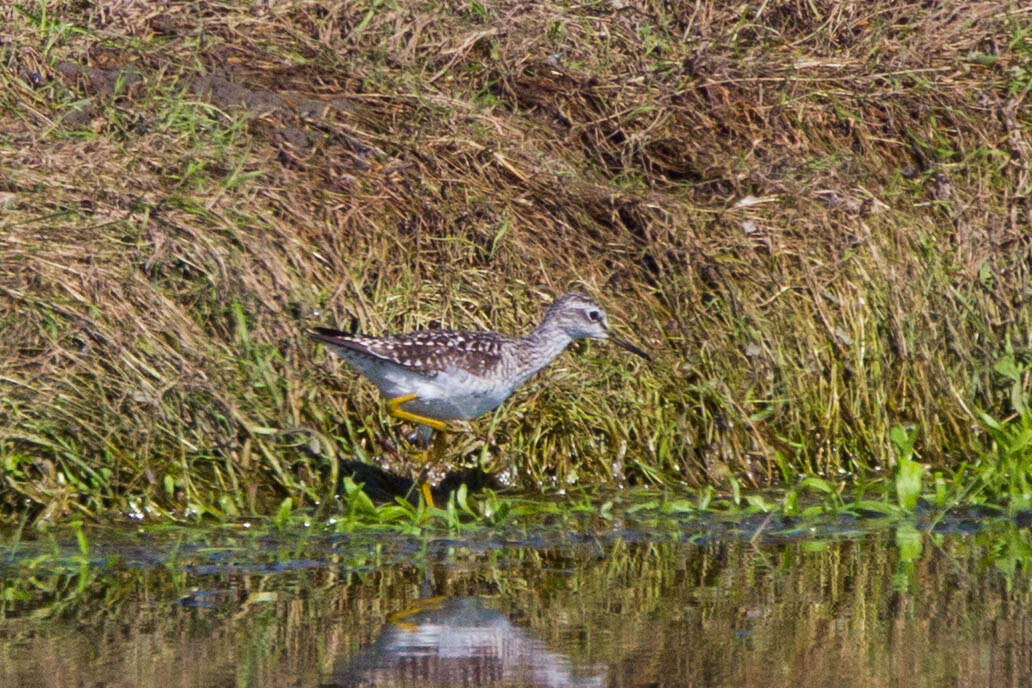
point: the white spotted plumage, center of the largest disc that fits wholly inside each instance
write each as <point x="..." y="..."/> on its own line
<point x="460" y="375"/>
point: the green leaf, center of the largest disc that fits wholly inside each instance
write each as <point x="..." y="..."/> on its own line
<point x="909" y="541"/>
<point x="872" y="505"/>
<point x="286" y="507"/>
<point x="816" y="483"/>
<point x="908" y="482"/>
<point x="680" y="506"/>
<point x="462" y="499"/>
<point x="757" y="502"/>
<point x="1007" y="367"/>
<point x="904" y="441"/>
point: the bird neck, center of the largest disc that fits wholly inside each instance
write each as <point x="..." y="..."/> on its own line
<point x="542" y="346"/>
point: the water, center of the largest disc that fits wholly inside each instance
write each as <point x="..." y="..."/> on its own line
<point x="900" y="607"/>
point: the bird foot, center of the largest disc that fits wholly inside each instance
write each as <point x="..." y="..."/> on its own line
<point x="394" y="408"/>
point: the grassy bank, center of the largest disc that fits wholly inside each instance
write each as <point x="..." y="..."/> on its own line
<point x="815" y="216"/>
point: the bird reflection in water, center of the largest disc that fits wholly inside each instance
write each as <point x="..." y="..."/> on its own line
<point x="458" y="642"/>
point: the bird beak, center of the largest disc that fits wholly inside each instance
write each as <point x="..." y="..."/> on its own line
<point x="630" y="347"/>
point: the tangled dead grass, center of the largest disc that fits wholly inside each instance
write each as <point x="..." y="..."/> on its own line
<point x="815" y="215"/>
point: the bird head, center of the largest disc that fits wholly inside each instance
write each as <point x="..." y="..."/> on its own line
<point x="580" y="317"/>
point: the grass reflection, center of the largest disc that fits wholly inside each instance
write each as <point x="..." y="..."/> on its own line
<point x="263" y="610"/>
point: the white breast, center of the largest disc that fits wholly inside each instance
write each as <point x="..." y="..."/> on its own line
<point x="455" y="394"/>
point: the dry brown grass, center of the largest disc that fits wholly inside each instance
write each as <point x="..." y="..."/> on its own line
<point x="815" y="215"/>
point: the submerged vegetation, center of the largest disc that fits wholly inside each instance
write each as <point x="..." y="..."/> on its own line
<point x="815" y="216"/>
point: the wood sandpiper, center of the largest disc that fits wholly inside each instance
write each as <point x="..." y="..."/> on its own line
<point x="434" y="376"/>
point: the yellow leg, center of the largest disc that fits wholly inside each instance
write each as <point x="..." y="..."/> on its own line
<point x="428" y="604"/>
<point x="394" y="407"/>
<point x="428" y="498"/>
<point x="435" y="455"/>
<point x="431" y="458"/>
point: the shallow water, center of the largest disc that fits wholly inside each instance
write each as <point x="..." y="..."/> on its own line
<point x="899" y="607"/>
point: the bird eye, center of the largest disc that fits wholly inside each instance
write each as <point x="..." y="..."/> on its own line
<point x="594" y="316"/>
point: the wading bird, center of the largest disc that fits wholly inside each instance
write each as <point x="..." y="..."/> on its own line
<point x="434" y="376"/>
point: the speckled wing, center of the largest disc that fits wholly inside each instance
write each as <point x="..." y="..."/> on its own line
<point x="426" y="352"/>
